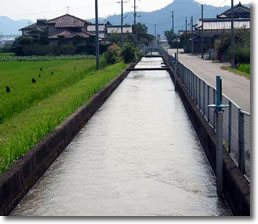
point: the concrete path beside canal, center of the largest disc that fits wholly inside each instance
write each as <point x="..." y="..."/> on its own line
<point x="138" y="156"/>
<point x="235" y="87"/>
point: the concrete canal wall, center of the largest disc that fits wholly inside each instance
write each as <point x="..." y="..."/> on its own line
<point x="236" y="187"/>
<point x="23" y="174"/>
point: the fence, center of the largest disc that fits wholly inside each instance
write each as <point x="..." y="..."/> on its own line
<point x="236" y="123"/>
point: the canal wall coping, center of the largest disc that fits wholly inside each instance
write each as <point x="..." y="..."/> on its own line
<point x="235" y="186"/>
<point x="24" y="173"/>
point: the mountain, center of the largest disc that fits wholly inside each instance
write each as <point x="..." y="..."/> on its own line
<point x="11" y="27"/>
<point x="163" y="17"/>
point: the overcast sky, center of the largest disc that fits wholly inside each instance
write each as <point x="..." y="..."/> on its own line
<point x="85" y="9"/>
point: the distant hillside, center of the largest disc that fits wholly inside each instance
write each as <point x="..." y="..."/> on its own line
<point x="163" y="17"/>
<point x="11" y="27"/>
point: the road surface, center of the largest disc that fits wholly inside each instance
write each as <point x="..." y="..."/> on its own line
<point x="235" y="87"/>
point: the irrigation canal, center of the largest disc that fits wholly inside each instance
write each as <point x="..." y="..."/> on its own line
<point x="138" y="156"/>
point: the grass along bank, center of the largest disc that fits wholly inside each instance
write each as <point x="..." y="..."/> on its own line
<point x="21" y="132"/>
<point x="243" y="70"/>
<point x="56" y="75"/>
<point x="12" y="57"/>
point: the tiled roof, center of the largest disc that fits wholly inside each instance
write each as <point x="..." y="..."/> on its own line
<point x="30" y="27"/>
<point x="69" y="34"/>
<point x="67" y="20"/>
<point x="237" y="8"/>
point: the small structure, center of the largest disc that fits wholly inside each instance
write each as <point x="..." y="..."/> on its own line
<point x="102" y="30"/>
<point x="117" y="29"/>
<point x="214" y="27"/>
<point x="35" y="29"/>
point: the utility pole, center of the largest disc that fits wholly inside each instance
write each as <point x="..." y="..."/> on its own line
<point x="186" y="24"/>
<point x="155" y="30"/>
<point x="192" y="34"/>
<point x="97" y="34"/>
<point x="122" y="21"/>
<point x="232" y="36"/>
<point x="173" y="23"/>
<point x="202" y="35"/>
<point x="135" y="14"/>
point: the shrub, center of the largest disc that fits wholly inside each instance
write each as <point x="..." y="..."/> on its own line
<point x="113" y="53"/>
<point x="129" y="53"/>
<point x="110" y="57"/>
<point x="242" y="55"/>
<point x="244" y="68"/>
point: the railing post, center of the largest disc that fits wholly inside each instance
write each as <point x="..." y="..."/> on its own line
<point x="209" y="103"/>
<point x="214" y="115"/>
<point x="218" y="106"/>
<point x="229" y="126"/>
<point x="199" y="92"/>
<point x="175" y="70"/>
<point x="203" y="105"/>
<point x="219" y="152"/>
<point x="195" y="86"/>
<point x="241" y="146"/>
<point x="191" y="84"/>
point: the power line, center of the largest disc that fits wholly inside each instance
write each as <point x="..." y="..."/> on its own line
<point x="173" y="25"/>
<point x="122" y="19"/>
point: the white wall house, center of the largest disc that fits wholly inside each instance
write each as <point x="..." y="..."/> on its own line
<point x="117" y="29"/>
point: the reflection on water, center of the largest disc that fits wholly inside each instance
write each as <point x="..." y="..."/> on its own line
<point x="137" y="156"/>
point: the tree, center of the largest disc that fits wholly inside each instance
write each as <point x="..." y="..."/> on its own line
<point x="129" y="53"/>
<point x="139" y="37"/>
<point x="242" y="45"/>
<point x="172" y="38"/>
<point x="185" y="40"/>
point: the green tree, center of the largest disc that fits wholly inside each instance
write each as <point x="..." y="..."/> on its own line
<point x="242" y="45"/>
<point x="185" y="41"/>
<point x="139" y="37"/>
<point x="171" y="38"/>
<point x="129" y="53"/>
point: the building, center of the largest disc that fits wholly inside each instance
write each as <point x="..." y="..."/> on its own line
<point x="214" y="27"/>
<point x="69" y="27"/>
<point x="117" y="29"/>
<point x="102" y="30"/>
<point x="35" y="29"/>
<point x="66" y="27"/>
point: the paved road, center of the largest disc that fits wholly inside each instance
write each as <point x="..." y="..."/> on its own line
<point x="235" y="87"/>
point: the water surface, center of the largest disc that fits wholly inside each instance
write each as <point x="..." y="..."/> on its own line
<point x="137" y="156"/>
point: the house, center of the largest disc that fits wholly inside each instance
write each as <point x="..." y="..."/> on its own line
<point x="65" y="27"/>
<point x="117" y="29"/>
<point x="35" y="29"/>
<point x="91" y="28"/>
<point x="68" y="27"/>
<point x="214" y="27"/>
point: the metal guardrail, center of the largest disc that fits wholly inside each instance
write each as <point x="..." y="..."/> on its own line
<point x="236" y="123"/>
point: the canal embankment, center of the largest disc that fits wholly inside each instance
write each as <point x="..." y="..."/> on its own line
<point x="236" y="187"/>
<point x="137" y="156"/>
<point x="24" y="173"/>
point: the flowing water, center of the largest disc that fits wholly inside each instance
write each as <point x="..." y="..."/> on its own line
<point x="138" y="156"/>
